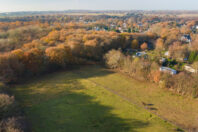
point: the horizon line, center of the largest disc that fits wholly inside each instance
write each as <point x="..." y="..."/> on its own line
<point x="187" y="10"/>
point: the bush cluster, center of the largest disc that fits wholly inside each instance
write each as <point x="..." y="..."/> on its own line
<point x="11" y="119"/>
<point x="182" y="83"/>
<point x="145" y="69"/>
<point x="139" y="68"/>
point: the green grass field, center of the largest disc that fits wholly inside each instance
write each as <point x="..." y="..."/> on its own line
<point x="81" y="101"/>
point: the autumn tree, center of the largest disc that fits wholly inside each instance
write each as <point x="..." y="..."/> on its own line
<point x="159" y="45"/>
<point x="178" y="51"/>
<point x="144" y="46"/>
<point x="34" y="60"/>
<point x="114" y="59"/>
<point x="52" y="37"/>
<point x="19" y="53"/>
<point x="135" y="44"/>
<point x="194" y="45"/>
<point x="185" y="30"/>
<point x="11" y="69"/>
<point x="155" y="73"/>
<point x="59" y="56"/>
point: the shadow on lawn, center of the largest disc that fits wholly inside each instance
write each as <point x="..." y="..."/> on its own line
<point x="78" y="112"/>
<point x="66" y="110"/>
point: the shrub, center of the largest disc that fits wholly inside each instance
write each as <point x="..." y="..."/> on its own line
<point x="127" y="65"/>
<point x="195" y="65"/>
<point x="192" y="57"/>
<point x="138" y="68"/>
<point x="10" y="115"/>
<point x="6" y="105"/>
<point x="155" y="74"/>
<point x="11" y="125"/>
<point x="5" y="100"/>
<point x="183" y="83"/>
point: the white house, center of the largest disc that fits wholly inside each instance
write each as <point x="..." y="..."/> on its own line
<point x="168" y="70"/>
<point x="166" y="53"/>
<point x="139" y="54"/>
<point x="196" y="27"/>
<point x="190" y="69"/>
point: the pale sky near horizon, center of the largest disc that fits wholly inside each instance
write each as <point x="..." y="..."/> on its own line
<point x="44" y="5"/>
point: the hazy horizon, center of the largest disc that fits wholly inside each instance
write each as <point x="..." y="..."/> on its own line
<point x="60" y="5"/>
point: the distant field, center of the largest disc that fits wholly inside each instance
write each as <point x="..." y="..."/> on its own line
<point x="74" y="102"/>
<point x="188" y="15"/>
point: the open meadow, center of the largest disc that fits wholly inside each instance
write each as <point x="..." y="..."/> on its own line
<point x="80" y="100"/>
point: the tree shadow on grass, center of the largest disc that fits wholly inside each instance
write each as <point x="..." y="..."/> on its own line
<point x="77" y="112"/>
<point x="53" y="105"/>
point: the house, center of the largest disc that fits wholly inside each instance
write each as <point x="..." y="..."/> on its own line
<point x="162" y="60"/>
<point x="186" y="38"/>
<point x="183" y="59"/>
<point x="168" y="70"/>
<point x="166" y="53"/>
<point x="97" y="28"/>
<point x="141" y="54"/>
<point x="124" y="25"/>
<point x="120" y="29"/>
<point x="190" y="69"/>
<point x="196" y="27"/>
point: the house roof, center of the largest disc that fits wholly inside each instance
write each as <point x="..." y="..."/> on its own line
<point x="168" y="69"/>
<point x="187" y="36"/>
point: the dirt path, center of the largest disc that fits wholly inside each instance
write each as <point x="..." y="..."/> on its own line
<point x="178" y="110"/>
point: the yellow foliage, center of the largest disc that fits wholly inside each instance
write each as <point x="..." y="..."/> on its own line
<point x="19" y="53"/>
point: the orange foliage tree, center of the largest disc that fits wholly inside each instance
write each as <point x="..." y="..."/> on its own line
<point x="144" y="46"/>
<point x="59" y="55"/>
<point x="34" y="60"/>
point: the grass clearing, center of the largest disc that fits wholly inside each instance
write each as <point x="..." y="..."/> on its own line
<point x="180" y="110"/>
<point x="71" y="101"/>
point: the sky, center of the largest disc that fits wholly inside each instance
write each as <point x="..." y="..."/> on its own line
<point x="45" y="5"/>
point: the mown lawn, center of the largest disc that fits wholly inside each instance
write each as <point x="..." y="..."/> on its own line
<point x="73" y="102"/>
